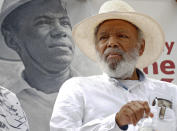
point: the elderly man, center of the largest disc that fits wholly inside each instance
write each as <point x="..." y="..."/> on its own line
<point x="40" y="32"/>
<point x="122" y="41"/>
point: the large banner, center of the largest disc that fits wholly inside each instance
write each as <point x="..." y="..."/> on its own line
<point x="37" y="54"/>
<point x="163" y="11"/>
<point x="1" y="2"/>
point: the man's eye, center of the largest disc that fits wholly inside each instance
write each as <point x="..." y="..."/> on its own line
<point x="65" y="23"/>
<point x="122" y="36"/>
<point x="103" y="37"/>
<point x="43" y="22"/>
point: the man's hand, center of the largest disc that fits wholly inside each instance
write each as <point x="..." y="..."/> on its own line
<point x="132" y="112"/>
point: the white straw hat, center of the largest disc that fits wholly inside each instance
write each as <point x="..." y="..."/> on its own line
<point x="84" y="32"/>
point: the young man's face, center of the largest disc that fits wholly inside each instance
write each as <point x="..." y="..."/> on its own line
<point x="45" y="32"/>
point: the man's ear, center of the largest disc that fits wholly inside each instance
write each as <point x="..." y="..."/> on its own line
<point x="142" y="46"/>
<point x="11" y="39"/>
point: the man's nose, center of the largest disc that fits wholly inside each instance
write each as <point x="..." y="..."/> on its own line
<point x="58" y="31"/>
<point x="113" y="42"/>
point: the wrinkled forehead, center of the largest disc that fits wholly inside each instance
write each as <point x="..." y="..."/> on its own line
<point x="118" y="21"/>
<point x="61" y="4"/>
<point x="35" y="7"/>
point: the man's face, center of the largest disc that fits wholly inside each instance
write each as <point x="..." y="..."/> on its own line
<point x="116" y="44"/>
<point x="45" y="33"/>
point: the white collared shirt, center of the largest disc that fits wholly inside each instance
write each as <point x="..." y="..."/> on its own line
<point x="90" y="103"/>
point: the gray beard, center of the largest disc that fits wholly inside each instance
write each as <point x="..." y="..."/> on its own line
<point x="124" y="68"/>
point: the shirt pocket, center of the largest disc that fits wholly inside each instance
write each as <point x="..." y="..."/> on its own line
<point x="166" y="124"/>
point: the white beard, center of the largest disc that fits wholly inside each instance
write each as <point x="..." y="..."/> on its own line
<point x="124" y="68"/>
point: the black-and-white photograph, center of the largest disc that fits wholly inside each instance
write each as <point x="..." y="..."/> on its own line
<point x="39" y="32"/>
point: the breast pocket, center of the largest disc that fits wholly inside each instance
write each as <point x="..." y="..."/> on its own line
<point x="168" y="123"/>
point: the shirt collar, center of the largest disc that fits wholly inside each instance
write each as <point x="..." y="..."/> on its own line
<point x="19" y="84"/>
<point x="140" y="74"/>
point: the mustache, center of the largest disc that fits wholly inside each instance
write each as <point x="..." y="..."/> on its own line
<point x="113" y="51"/>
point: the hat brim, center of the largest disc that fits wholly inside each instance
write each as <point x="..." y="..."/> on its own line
<point x="5" y="52"/>
<point x="83" y="35"/>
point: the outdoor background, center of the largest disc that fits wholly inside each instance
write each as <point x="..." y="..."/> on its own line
<point x="164" y="11"/>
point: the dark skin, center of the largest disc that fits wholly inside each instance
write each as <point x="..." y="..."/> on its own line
<point x="124" y="36"/>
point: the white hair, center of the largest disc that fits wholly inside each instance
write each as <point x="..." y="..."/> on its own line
<point x="124" y="68"/>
